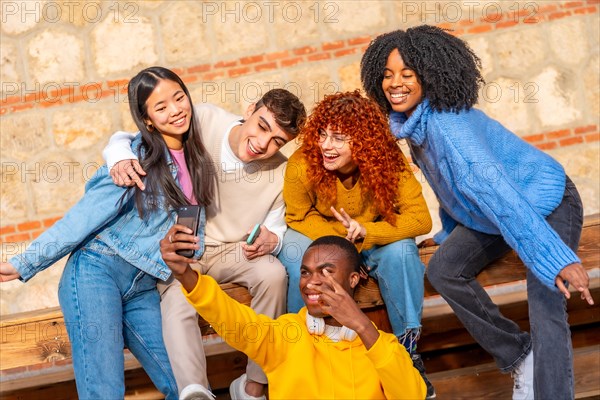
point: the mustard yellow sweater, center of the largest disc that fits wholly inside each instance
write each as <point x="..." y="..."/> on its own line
<point x="303" y="366"/>
<point x="309" y="215"/>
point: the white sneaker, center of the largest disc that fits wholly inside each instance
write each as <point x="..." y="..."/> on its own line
<point x="195" y="391"/>
<point x="523" y="377"/>
<point x="237" y="390"/>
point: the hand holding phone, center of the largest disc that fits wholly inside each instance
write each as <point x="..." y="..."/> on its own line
<point x="188" y="216"/>
<point x="253" y="234"/>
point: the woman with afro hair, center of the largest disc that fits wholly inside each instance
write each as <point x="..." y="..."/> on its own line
<point x="350" y="179"/>
<point x="496" y="193"/>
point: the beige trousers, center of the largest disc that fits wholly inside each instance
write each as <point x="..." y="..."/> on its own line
<point x="266" y="280"/>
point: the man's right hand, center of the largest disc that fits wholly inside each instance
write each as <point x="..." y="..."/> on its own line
<point x="127" y="173"/>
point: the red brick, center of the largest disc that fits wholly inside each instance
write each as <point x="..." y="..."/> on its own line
<point x="506" y="24"/>
<point x="7" y="229"/>
<point x="29" y="226"/>
<point x="48" y="222"/>
<point x="19" y="237"/>
<point x="346" y="52"/>
<point x="21" y="107"/>
<point x="333" y="45"/>
<point x="558" y="15"/>
<point x="305" y="50"/>
<point x="592" y="137"/>
<point x="46" y="104"/>
<point x="198" y="69"/>
<point x="213" y="75"/>
<point x="11" y="100"/>
<point x="547" y="146"/>
<point x="586" y="129"/>
<point x="571" y="141"/>
<point x="587" y="10"/>
<point x="319" y="56"/>
<point x="573" y="4"/>
<point x="546" y="8"/>
<point x="480" y="29"/>
<point x="534" y="138"/>
<point x="235" y="72"/>
<point x="359" y="40"/>
<point x="558" y="134"/>
<point x="291" y="61"/>
<point x="277" y="55"/>
<point x="491" y="18"/>
<point x="252" y="59"/>
<point x="119" y="83"/>
<point x="266" y="66"/>
<point x="3" y="111"/>
<point x="35" y="234"/>
<point x="226" y="64"/>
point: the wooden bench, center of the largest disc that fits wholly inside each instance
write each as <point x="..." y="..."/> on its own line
<point x="35" y="350"/>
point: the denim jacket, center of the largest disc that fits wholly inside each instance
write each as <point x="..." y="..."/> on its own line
<point x="97" y="216"/>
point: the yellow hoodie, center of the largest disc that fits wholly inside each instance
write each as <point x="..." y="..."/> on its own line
<point x="304" y="366"/>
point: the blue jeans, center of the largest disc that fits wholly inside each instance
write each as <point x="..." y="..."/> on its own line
<point x="396" y="266"/>
<point x="109" y="304"/>
<point x="452" y="271"/>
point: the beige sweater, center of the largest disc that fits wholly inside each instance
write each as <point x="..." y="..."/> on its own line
<point x="244" y="197"/>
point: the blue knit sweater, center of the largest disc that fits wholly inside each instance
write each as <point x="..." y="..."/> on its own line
<point x="489" y="180"/>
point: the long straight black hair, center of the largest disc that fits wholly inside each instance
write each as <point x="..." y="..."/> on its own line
<point x="153" y="150"/>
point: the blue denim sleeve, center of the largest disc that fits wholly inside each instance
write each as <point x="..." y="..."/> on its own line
<point x="98" y="206"/>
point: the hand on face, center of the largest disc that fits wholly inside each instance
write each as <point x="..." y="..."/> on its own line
<point x="338" y="303"/>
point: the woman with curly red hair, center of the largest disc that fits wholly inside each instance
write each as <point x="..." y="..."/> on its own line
<point x="350" y="179"/>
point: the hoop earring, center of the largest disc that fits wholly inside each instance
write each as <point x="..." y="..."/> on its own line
<point x="149" y="127"/>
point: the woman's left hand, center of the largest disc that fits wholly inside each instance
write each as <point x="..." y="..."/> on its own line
<point x="577" y="276"/>
<point x="355" y="230"/>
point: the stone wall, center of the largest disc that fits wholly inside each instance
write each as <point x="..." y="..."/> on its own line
<point x="65" y="65"/>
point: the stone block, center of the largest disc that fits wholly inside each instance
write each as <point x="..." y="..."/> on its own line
<point x="9" y="67"/>
<point x="47" y="53"/>
<point x="13" y="192"/>
<point x="563" y="35"/>
<point x="183" y="34"/>
<point x="237" y="34"/>
<point x="591" y="79"/>
<point x="350" y="76"/>
<point x="20" y="16"/>
<point x="557" y="105"/>
<point x="314" y="83"/>
<point x="23" y="135"/>
<point x="362" y="16"/>
<point x="509" y="101"/>
<point x="79" y="128"/>
<point x="296" y="23"/>
<point x="481" y="46"/>
<point x="135" y="47"/>
<point x="59" y="181"/>
<point x="519" y="50"/>
<point x="581" y="164"/>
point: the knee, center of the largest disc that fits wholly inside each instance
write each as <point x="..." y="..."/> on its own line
<point x="435" y="272"/>
<point x="272" y="274"/>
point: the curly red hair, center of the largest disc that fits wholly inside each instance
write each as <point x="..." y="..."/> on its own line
<point x="374" y="149"/>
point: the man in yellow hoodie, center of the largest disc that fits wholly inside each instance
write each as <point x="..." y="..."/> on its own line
<point x="328" y="350"/>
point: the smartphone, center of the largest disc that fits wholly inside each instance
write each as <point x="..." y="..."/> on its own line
<point x="188" y="216"/>
<point x="254" y="234"/>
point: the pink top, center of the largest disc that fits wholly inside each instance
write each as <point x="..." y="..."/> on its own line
<point x="183" y="175"/>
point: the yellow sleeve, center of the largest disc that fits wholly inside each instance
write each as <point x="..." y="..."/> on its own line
<point x="393" y="363"/>
<point x="256" y="335"/>
<point x="412" y="218"/>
